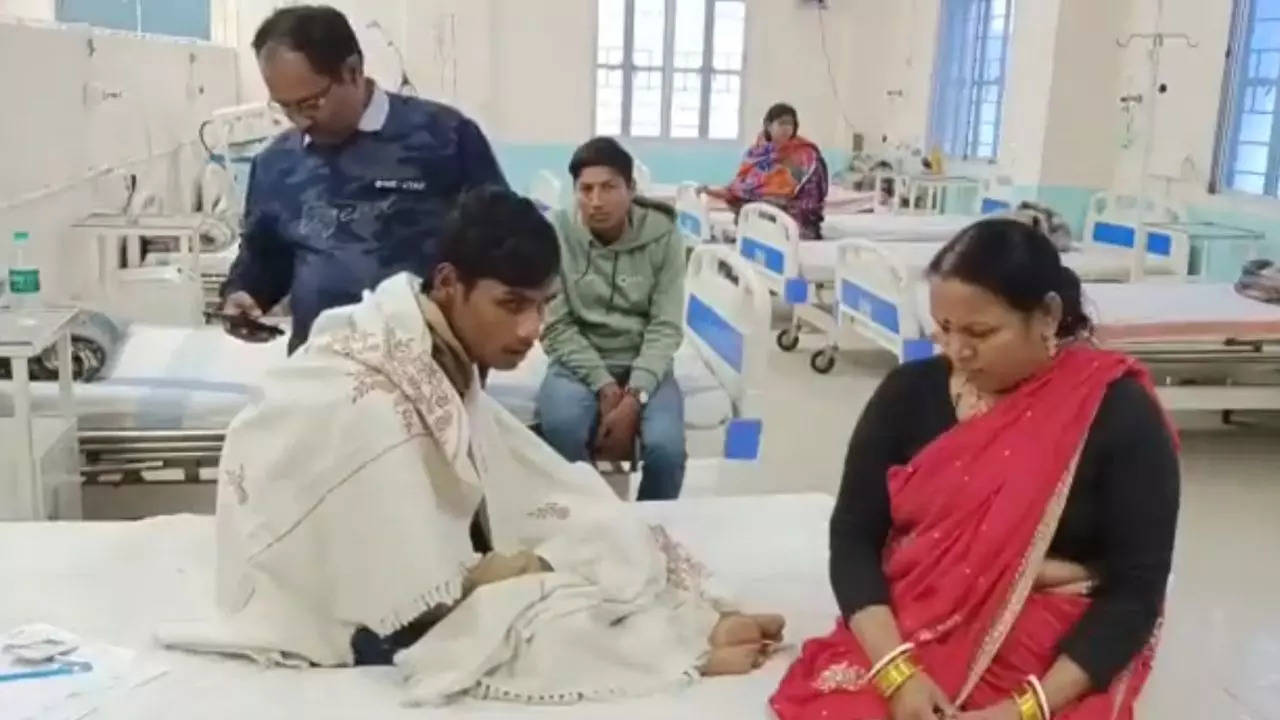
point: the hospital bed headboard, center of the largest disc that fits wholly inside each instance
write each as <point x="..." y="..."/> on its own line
<point x="692" y="218"/>
<point x="1115" y="220"/>
<point x="644" y="178"/>
<point x="770" y="239"/>
<point x="995" y="195"/>
<point x="884" y="294"/>
<point x="727" y="318"/>
<point x="546" y="191"/>
<point x="232" y="136"/>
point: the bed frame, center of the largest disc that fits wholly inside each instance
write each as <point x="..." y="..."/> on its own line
<point x="1117" y="220"/>
<point x="727" y="317"/>
<point x="770" y="240"/>
<point x="693" y="218"/>
<point x="546" y="191"/>
<point x="880" y="301"/>
<point x="878" y="297"/>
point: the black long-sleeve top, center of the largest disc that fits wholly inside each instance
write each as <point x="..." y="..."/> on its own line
<point x="1119" y="518"/>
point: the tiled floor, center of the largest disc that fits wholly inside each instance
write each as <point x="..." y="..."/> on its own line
<point x="1220" y="652"/>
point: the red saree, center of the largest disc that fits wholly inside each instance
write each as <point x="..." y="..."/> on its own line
<point x="973" y="514"/>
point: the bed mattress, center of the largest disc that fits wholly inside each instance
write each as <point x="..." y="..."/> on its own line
<point x="115" y="582"/>
<point x="707" y="404"/>
<point x="1098" y="264"/>
<point x="1179" y="312"/>
<point x="897" y="227"/>
<point x="818" y="257"/>
<point x="167" y="378"/>
<point x="840" y="200"/>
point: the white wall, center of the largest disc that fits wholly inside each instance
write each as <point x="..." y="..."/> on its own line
<point x="54" y="145"/>
<point x="528" y="75"/>
<point x="28" y="9"/>
<point x="1181" y="145"/>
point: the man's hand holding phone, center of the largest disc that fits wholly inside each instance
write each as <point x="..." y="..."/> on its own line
<point x="240" y="317"/>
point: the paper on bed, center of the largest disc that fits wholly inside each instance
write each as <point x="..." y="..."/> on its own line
<point x="102" y="673"/>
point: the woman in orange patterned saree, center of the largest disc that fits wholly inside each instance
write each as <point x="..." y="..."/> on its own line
<point x="1001" y="544"/>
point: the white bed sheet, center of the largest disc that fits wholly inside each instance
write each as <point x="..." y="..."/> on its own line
<point x="1091" y="263"/>
<point x="1166" y="311"/>
<point x="707" y="404"/>
<point x="167" y="378"/>
<point x="114" y="582"/>
<point x="921" y="227"/>
<point x="818" y="257"/>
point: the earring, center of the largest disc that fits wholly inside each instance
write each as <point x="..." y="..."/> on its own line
<point x="1051" y="344"/>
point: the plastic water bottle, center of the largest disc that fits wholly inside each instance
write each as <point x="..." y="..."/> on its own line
<point x="24" y="274"/>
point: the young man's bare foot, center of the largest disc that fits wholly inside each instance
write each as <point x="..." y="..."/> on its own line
<point x="735" y="659"/>
<point x="735" y="629"/>
<point x="742" y="643"/>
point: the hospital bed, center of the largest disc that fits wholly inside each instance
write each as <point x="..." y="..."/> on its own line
<point x="115" y="582"/>
<point x="802" y="273"/>
<point x="872" y="272"/>
<point x="702" y="220"/>
<point x="162" y="406"/>
<point x="157" y="268"/>
<point x="1208" y="347"/>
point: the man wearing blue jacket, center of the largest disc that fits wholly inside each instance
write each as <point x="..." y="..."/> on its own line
<point x="357" y="191"/>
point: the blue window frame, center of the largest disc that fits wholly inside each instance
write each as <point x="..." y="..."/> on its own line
<point x="968" y="77"/>
<point x="1248" y="158"/>
<point x="180" y="18"/>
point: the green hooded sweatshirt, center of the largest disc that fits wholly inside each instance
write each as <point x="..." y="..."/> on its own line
<point x="620" y="305"/>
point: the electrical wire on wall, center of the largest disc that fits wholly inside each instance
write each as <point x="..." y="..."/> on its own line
<point x="831" y="73"/>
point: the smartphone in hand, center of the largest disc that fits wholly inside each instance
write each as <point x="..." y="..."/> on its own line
<point x="245" y="323"/>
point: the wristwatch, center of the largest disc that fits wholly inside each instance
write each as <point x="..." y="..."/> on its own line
<point x="641" y="395"/>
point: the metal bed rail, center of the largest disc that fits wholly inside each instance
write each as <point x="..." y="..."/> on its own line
<point x="124" y="456"/>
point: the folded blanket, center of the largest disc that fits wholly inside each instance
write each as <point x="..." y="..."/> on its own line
<point x="95" y="337"/>
<point x="1260" y="280"/>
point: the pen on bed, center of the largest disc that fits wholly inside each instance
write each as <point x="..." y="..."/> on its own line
<point x="68" y="668"/>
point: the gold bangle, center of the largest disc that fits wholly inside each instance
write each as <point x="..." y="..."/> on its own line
<point x="1028" y="704"/>
<point x="894" y="675"/>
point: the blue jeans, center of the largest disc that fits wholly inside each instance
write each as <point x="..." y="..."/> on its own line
<point x="569" y="413"/>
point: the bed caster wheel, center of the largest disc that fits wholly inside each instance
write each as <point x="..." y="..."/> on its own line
<point x="789" y="339"/>
<point x="823" y="361"/>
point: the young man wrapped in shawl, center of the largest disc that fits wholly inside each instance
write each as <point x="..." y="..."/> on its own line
<point x="376" y="504"/>
<point x="782" y="169"/>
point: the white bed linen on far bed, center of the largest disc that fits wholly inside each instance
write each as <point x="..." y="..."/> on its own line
<point x="168" y="378"/>
<point x="115" y="582"/>
<point x="818" y="257"/>
<point x="920" y="227"/>
<point x="1165" y="311"/>
<point x="1090" y="263"/>
<point x="707" y="404"/>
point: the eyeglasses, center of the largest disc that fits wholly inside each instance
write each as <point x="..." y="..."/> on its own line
<point x="306" y="107"/>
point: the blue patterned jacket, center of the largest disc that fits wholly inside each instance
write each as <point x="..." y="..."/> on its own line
<point x="322" y="224"/>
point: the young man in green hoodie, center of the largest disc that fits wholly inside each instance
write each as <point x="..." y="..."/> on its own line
<point x="614" y="329"/>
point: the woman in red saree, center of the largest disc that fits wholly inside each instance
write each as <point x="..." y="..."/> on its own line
<point x="784" y="169"/>
<point x="1001" y="544"/>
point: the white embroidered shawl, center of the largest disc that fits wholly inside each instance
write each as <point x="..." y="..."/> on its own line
<point x="345" y="500"/>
